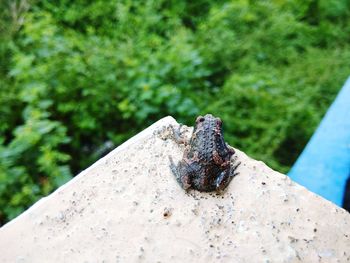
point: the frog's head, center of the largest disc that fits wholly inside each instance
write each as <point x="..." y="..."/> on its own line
<point x="208" y="119"/>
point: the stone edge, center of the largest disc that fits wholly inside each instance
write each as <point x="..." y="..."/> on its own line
<point x="141" y="135"/>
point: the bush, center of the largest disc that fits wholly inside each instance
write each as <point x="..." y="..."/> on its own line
<point x="271" y="113"/>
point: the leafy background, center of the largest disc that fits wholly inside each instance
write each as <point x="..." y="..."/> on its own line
<point x="77" y="78"/>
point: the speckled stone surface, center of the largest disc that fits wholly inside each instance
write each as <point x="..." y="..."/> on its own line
<point x="127" y="207"/>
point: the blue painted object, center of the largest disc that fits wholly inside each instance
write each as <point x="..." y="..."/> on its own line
<point x="324" y="165"/>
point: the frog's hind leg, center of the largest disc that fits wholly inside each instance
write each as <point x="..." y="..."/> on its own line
<point x="182" y="173"/>
<point x="226" y="176"/>
<point x="233" y="168"/>
<point x="223" y="180"/>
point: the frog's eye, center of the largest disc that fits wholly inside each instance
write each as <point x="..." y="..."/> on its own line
<point x="200" y="119"/>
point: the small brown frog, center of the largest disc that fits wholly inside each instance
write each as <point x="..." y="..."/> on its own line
<point x="206" y="164"/>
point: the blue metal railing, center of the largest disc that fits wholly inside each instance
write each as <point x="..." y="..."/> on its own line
<point x="324" y="165"/>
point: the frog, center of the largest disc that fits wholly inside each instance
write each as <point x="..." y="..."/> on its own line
<point x="207" y="164"/>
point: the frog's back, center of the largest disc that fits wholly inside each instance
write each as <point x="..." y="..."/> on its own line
<point x="204" y="140"/>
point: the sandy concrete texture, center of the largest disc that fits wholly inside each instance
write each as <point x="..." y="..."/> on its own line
<point x="128" y="207"/>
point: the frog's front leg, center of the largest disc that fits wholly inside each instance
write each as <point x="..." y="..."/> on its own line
<point x="182" y="173"/>
<point x="177" y="135"/>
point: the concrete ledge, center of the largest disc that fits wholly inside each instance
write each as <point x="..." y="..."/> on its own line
<point x="128" y="207"/>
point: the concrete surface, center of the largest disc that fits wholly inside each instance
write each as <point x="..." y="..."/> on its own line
<point x="127" y="207"/>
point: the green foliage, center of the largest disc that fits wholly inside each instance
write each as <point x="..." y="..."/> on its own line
<point x="76" y="75"/>
<point x="271" y="113"/>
